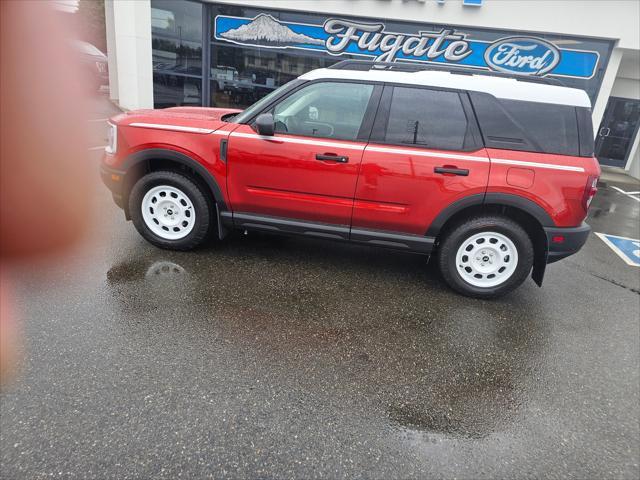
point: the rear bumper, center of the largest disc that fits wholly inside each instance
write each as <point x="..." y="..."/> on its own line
<point x="563" y="242"/>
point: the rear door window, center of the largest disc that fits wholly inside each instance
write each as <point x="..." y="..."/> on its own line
<point x="529" y="126"/>
<point x="426" y="118"/>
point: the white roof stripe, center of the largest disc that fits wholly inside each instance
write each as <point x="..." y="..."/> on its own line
<point x="507" y="88"/>
<point x="550" y="166"/>
<point x="175" y="128"/>
<point x="402" y="151"/>
<point x="349" y="146"/>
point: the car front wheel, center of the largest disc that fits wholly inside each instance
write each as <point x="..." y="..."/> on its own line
<point x="170" y="211"/>
<point x="486" y="256"/>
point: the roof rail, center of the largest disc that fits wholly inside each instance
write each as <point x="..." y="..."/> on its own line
<point x="400" y="66"/>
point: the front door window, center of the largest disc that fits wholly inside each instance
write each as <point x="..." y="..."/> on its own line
<point x="327" y="109"/>
<point x="617" y="131"/>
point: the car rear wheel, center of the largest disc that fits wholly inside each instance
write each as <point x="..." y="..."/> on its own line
<point x="170" y="210"/>
<point x="486" y="256"/>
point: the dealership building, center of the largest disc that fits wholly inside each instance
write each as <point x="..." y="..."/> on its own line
<point x="165" y="53"/>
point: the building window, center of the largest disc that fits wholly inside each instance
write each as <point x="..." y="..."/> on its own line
<point x="176" y="42"/>
<point x="239" y="76"/>
<point x="173" y="90"/>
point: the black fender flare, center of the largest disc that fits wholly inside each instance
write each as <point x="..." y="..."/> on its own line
<point x="449" y="211"/>
<point x="167" y="154"/>
<point x="516" y="201"/>
<point x="479" y="199"/>
<point x="522" y="203"/>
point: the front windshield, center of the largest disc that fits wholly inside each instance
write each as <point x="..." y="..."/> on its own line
<point x="256" y="107"/>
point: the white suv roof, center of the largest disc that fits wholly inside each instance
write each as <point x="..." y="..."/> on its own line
<point x="508" y="88"/>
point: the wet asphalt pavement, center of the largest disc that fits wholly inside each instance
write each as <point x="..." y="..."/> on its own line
<point x="271" y="357"/>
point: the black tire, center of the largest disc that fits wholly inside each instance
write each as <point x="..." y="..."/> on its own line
<point x="454" y="238"/>
<point x="205" y="217"/>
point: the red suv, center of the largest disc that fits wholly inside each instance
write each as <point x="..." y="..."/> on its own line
<point x="493" y="175"/>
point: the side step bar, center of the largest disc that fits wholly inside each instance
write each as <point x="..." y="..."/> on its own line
<point x="379" y="238"/>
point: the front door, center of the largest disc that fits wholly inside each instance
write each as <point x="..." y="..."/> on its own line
<point x="308" y="170"/>
<point x="617" y="131"/>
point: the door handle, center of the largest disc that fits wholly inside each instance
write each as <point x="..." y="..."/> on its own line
<point x="452" y="171"/>
<point x="332" y="157"/>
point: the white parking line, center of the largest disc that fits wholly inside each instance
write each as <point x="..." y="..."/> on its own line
<point x="97" y="120"/>
<point x="97" y="148"/>
<point x="628" y="194"/>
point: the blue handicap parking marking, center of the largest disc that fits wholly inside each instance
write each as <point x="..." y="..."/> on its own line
<point x="627" y="248"/>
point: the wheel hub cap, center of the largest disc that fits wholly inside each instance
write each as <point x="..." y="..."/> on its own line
<point x="487" y="259"/>
<point x="168" y="212"/>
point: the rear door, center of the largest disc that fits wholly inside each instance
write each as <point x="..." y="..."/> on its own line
<point x="425" y="153"/>
<point x="309" y="168"/>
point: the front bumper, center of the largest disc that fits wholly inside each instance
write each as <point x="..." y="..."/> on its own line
<point x="114" y="181"/>
<point x="563" y="242"/>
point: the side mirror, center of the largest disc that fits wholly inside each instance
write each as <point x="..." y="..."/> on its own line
<point x="265" y="124"/>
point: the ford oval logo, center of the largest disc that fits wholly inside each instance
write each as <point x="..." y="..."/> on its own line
<point x="522" y="55"/>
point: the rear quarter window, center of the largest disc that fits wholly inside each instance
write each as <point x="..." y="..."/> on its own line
<point x="528" y="126"/>
<point x="585" y="131"/>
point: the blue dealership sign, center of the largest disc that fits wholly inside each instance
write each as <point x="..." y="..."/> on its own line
<point x="522" y="55"/>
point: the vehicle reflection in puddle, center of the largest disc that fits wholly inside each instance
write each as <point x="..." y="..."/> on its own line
<point x="139" y="271"/>
<point x="163" y="270"/>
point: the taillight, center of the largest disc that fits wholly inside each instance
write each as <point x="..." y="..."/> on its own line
<point x="590" y="191"/>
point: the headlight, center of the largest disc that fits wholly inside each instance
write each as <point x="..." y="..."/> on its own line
<point x="112" y="143"/>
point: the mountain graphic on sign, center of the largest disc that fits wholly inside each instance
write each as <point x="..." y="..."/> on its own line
<point x="266" y="30"/>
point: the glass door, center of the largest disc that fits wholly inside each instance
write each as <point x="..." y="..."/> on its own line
<point x="617" y="131"/>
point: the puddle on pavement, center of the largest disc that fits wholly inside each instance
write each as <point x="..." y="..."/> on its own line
<point x="421" y="419"/>
<point x="432" y="366"/>
<point x="137" y="271"/>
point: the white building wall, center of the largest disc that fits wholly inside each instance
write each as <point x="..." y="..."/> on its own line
<point x="626" y="88"/>
<point x="608" y="81"/>
<point x="633" y="164"/>
<point x="111" y="50"/>
<point x="131" y="41"/>
<point x="627" y="85"/>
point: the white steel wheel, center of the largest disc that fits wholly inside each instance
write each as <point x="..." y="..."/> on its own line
<point x="486" y="259"/>
<point x="168" y="212"/>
